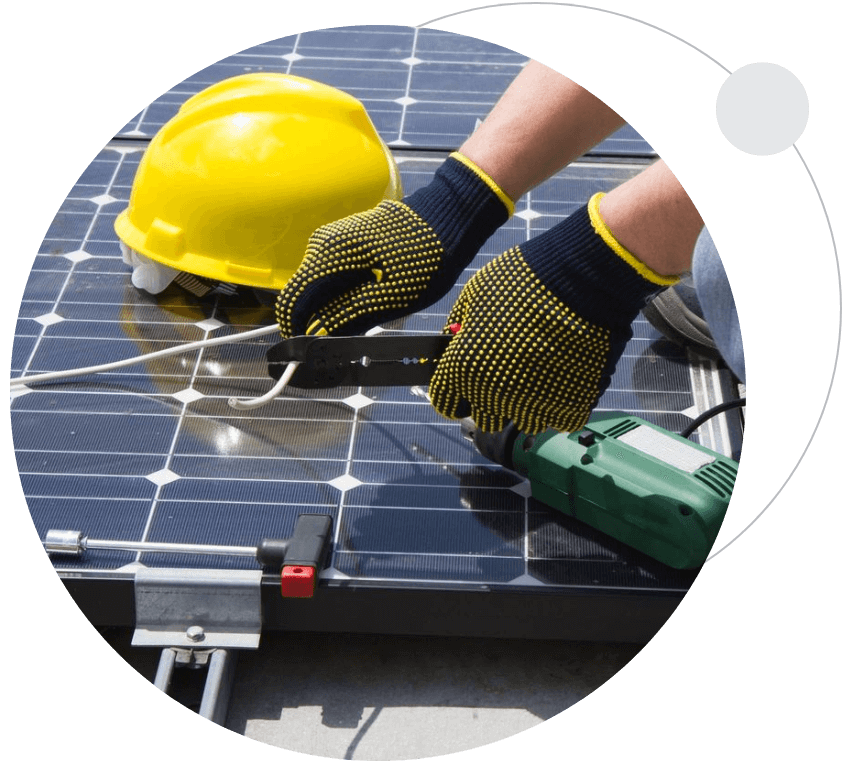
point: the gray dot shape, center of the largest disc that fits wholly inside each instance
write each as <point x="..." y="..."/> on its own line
<point x="762" y="109"/>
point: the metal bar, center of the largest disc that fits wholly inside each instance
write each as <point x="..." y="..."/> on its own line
<point x="165" y="669"/>
<point x="218" y="687"/>
<point x="71" y="542"/>
<point x="147" y="547"/>
<point x="218" y="684"/>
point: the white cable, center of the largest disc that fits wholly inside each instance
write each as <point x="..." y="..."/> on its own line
<point x="252" y="404"/>
<point x="46" y="376"/>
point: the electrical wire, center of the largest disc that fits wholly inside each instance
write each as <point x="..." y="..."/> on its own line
<point x="712" y="412"/>
<point x="236" y="404"/>
<point x="62" y="374"/>
<point x="252" y="404"/>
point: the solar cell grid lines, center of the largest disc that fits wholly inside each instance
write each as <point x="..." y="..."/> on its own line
<point x="420" y="87"/>
<point x="153" y="451"/>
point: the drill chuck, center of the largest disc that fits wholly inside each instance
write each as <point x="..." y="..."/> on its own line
<point x="497" y="447"/>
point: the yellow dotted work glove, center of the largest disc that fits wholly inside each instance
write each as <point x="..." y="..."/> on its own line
<point x="542" y="327"/>
<point x="394" y="259"/>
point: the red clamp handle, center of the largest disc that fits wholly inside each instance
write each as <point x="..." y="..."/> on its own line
<point x="297" y="581"/>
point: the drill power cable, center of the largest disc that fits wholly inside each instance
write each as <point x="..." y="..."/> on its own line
<point x="181" y="349"/>
<point x="712" y="412"/>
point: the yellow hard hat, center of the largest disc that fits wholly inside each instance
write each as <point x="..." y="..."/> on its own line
<point x="231" y="188"/>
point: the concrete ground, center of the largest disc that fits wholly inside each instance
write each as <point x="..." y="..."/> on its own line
<point x="364" y="697"/>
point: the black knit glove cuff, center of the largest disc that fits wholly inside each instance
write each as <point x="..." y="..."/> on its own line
<point x="582" y="264"/>
<point x="464" y="207"/>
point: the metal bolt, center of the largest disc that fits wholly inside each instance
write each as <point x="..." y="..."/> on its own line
<point x="195" y="633"/>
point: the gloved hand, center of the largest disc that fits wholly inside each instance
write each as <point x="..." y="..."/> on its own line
<point x="542" y="327"/>
<point x="394" y="259"/>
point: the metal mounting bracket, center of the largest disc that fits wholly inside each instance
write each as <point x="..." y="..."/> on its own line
<point x="198" y="608"/>
<point x="199" y="617"/>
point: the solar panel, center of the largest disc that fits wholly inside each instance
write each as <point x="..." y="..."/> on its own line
<point x="421" y="87"/>
<point x="423" y="525"/>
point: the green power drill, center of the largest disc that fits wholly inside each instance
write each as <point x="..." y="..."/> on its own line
<point x="637" y="482"/>
<point x="641" y="484"/>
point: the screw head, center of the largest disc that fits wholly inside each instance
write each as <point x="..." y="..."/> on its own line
<point x="195" y="633"/>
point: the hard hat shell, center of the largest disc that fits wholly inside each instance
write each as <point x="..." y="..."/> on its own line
<point x="233" y="185"/>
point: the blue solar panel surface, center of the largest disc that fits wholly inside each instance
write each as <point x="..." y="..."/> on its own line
<point x="154" y="452"/>
<point x="421" y="88"/>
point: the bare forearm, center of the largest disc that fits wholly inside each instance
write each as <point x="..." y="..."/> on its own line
<point x="541" y="123"/>
<point x="653" y="217"/>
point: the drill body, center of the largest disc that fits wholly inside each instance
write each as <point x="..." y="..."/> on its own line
<point x="641" y="484"/>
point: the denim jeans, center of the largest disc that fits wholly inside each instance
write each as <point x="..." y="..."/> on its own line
<point x="717" y="302"/>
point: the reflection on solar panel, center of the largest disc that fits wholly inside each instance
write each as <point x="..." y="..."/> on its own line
<point x="424" y="525"/>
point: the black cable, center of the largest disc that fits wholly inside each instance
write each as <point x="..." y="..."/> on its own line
<point x="713" y="411"/>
